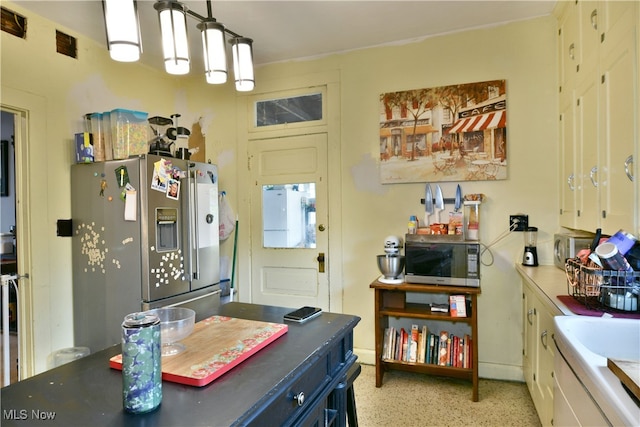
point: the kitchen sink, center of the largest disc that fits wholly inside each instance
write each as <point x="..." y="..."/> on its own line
<point x="585" y="343"/>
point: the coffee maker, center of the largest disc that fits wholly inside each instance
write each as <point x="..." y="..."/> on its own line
<point x="530" y="257"/>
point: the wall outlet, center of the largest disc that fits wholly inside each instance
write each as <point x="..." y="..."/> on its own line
<point x="518" y="222"/>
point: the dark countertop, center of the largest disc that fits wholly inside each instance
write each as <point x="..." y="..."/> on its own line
<point x="87" y="392"/>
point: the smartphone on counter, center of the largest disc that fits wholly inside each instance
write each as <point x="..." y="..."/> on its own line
<point x="303" y="314"/>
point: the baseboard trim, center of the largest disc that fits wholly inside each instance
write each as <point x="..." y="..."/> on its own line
<point x="495" y="371"/>
<point x="367" y="357"/>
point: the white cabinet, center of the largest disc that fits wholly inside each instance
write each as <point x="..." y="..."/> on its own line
<point x="586" y="111"/>
<point x="539" y="351"/>
<point x="618" y="141"/>
<point x="573" y="406"/>
<point x="599" y="114"/>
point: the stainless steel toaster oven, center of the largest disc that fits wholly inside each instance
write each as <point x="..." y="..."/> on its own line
<point x="567" y="245"/>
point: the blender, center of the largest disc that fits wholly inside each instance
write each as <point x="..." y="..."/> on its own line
<point x="530" y="257"/>
<point x="158" y="145"/>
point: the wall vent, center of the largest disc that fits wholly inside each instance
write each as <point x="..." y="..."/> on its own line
<point x="12" y="23"/>
<point x="66" y="44"/>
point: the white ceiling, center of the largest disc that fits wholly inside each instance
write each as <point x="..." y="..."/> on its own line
<point x="290" y="30"/>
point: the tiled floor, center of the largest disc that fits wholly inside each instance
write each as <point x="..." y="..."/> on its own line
<point x="409" y="399"/>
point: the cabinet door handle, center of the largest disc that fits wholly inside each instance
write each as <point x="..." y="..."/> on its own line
<point x="593" y="176"/>
<point x="299" y="398"/>
<point x="543" y="339"/>
<point x="571" y="182"/>
<point x="628" y="167"/>
<point x="529" y="314"/>
<point x="594" y="19"/>
<point x="571" y="51"/>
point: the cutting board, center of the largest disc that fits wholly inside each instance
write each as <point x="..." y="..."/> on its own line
<point x="217" y="345"/>
<point x="628" y="372"/>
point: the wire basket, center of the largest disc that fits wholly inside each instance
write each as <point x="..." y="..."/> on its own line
<point x="604" y="290"/>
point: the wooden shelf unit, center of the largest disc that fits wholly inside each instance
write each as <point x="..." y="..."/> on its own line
<point x="388" y="303"/>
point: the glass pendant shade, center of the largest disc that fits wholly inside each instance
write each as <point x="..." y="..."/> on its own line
<point x="123" y="29"/>
<point x="173" y="29"/>
<point x="125" y="44"/>
<point x="243" y="63"/>
<point x="215" y="56"/>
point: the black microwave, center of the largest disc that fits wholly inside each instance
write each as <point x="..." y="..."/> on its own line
<point x="434" y="260"/>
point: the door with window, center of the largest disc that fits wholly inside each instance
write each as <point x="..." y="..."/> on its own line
<point x="289" y="244"/>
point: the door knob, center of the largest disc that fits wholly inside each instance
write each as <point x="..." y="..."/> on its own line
<point x="321" y="227"/>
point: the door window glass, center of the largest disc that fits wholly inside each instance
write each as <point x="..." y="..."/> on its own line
<point x="289" y="215"/>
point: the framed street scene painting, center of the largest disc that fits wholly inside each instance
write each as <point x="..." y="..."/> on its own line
<point x="448" y="133"/>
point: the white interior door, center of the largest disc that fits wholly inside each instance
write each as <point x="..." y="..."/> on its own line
<point x="289" y="243"/>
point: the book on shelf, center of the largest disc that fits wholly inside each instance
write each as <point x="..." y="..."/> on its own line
<point x="465" y="351"/>
<point x="458" y="305"/>
<point x="443" y="354"/>
<point x="388" y="343"/>
<point x="385" y="343"/>
<point x="422" y="344"/>
<point x="454" y="351"/>
<point x="413" y="345"/>
<point x="404" y="338"/>
<point x="435" y="345"/>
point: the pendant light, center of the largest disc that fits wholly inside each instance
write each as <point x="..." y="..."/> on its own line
<point x="173" y="29"/>
<point x="123" y="29"/>
<point x="123" y="38"/>
<point x="215" y="56"/>
<point x="243" y="63"/>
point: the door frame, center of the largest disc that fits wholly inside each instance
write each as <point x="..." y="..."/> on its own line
<point x="28" y="110"/>
<point x="331" y="81"/>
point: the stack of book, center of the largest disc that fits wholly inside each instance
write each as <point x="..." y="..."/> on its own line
<point x="421" y="346"/>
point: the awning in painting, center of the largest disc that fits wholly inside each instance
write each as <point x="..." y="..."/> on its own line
<point x="497" y="119"/>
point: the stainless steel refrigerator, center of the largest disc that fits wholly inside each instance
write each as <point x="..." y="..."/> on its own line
<point x="145" y="235"/>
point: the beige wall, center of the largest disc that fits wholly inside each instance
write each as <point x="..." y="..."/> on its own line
<point x="523" y="53"/>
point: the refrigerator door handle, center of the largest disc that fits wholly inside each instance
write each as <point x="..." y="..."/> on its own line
<point x="194" y="221"/>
